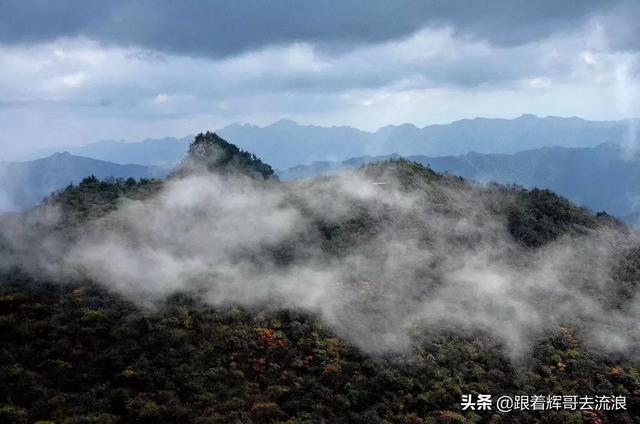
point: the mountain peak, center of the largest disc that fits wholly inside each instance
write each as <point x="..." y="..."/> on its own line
<point x="400" y="126"/>
<point x="212" y="153"/>
<point x="288" y="123"/>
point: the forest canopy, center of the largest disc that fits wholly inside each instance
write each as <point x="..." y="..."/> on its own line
<point x="378" y="296"/>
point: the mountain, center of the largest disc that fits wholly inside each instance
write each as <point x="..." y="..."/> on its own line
<point x="604" y="177"/>
<point x="382" y="295"/>
<point x="164" y="152"/>
<point x="211" y="153"/>
<point x="484" y="135"/>
<point x="317" y="168"/>
<point x="286" y="143"/>
<point x="24" y="184"/>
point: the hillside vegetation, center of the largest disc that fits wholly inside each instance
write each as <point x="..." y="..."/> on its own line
<point x="78" y="351"/>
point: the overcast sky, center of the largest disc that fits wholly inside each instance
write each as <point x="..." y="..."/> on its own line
<point x="73" y="72"/>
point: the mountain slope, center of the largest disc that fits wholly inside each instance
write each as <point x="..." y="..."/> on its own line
<point x="604" y="177"/>
<point x="77" y="351"/>
<point x="601" y="178"/>
<point x="24" y="184"/>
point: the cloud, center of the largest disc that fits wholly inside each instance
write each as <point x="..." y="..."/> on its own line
<point x="617" y="25"/>
<point x="89" y="72"/>
<point x="161" y="98"/>
<point x="405" y="263"/>
<point x="77" y="90"/>
<point x="221" y="28"/>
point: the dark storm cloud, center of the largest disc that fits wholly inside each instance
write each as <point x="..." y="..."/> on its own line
<point x="227" y="27"/>
<point x="622" y="30"/>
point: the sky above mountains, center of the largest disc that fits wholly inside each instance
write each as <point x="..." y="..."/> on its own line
<point x="72" y="72"/>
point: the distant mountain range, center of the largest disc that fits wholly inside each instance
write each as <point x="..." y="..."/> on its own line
<point x="588" y="165"/>
<point x="25" y="184"/>
<point x="285" y="143"/>
<point x="604" y="177"/>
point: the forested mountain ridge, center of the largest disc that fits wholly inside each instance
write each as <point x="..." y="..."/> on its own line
<point x="604" y="177"/>
<point x="376" y="296"/>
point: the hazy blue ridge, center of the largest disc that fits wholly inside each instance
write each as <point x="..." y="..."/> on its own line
<point x="286" y="143"/>
<point x="25" y="184"/>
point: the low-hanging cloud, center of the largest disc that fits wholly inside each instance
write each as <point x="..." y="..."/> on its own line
<point x="399" y="263"/>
